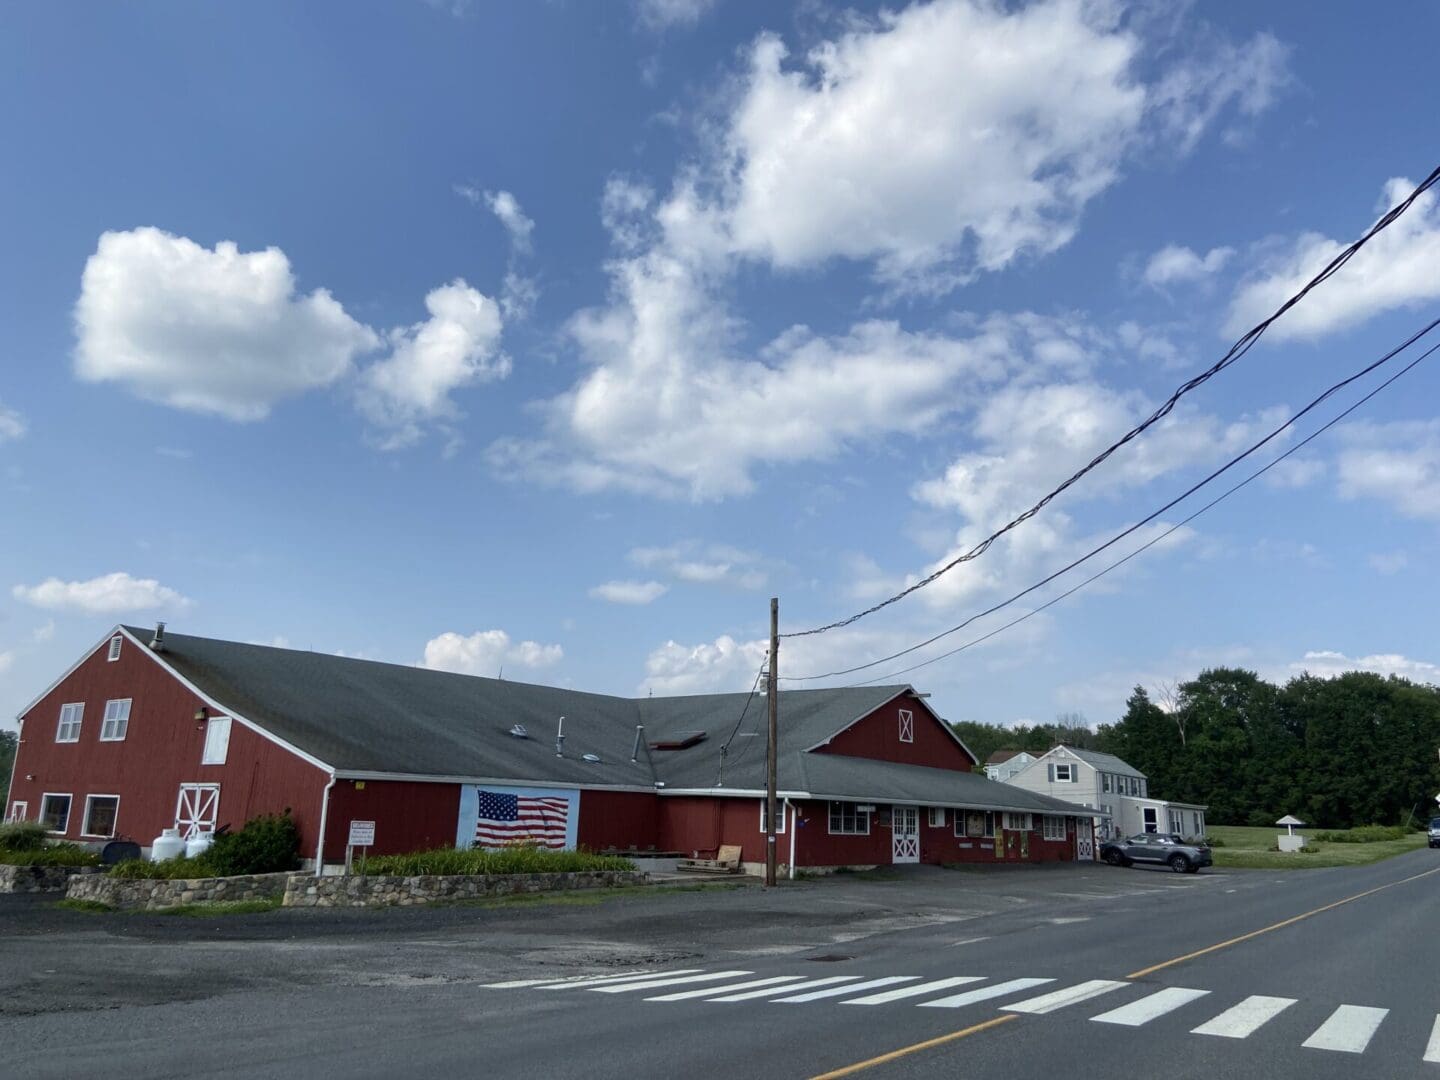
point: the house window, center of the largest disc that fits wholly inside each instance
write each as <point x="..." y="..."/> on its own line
<point x="1017" y="822"/>
<point x="18" y="809"/>
<point x="1054" y="827"/>
<point x="764" y="818"/>
<point x="1199" y="829"/>
<point x="69" y="729"/>
<point x="1105" y="783"/>
<point x="55" y="812"/>
<point x="907" y="726"/>
<point x="847" y="819"/>
<point x="100" y="812"/>
<point x="1064" y="774"/>
<point x="974" y="823"/>
<point x="217" y="745"/>
<point x="937" y="817"/>
<point x="115" y="643"/>
<point x="117" y="720"/>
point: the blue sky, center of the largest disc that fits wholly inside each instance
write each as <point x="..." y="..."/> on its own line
<point x="560" y="336"/>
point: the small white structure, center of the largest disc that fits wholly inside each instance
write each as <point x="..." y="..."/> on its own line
<point x="1291" y="841"/>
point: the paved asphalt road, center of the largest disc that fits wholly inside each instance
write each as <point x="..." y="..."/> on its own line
<point x="1352" y="990"/>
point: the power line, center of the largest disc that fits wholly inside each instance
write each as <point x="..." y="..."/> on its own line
<point x="725" y="746"/>
<point x="1139" y="524"/>
<point x="1152" y="542"/>
<point x="1242" y="346"/>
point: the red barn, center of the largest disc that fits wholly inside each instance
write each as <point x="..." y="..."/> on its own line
<point x="152" y="731"/>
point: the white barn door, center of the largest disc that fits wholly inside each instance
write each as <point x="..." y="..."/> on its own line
<point x="197" y="809"/>
<point x="905" y="834"/>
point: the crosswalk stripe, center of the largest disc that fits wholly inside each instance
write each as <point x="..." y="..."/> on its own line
<point x="1071" y="995"/>
<point x="709" y="991"/>
<point x="838" y="991"/>
<point x="985" y="993"/>
<point x="1348" y="1030"/>
<point x="1243" y="1020"/>
<point x="1432" y="1050"/>
<point x="812" y="984"/>
<point x="602" y="980"/>
<point x="913" y="991"/>
<point x="1150" y="1007"/>
<point x="650" y="984"/>
<point x="573" y="980"/>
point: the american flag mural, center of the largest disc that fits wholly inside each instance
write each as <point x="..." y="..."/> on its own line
<point x="504" y="818"/>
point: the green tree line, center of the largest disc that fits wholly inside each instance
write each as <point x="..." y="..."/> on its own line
<point x="1351" y="750"/>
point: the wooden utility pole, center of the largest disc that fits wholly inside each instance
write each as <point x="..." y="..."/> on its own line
<point x="773" y="697"/>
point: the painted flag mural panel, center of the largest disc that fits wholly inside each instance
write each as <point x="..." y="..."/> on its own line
<point x="495" y="816"/>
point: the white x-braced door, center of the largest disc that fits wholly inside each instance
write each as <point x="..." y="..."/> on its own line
<point x="197" y="809"/>
<point x="905" y="834"/>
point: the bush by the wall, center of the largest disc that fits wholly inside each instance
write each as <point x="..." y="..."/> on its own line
<point x="61" y="854"/>
<point x="266" y="845"/>
<point x="164" y="870"/>
<point x="520" y="859"/>
<point x="23" y="836"/>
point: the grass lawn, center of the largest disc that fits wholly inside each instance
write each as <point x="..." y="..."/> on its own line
<point x="1249" y="848"/>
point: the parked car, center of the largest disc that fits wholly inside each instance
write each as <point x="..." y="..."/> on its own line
<point x="1435" y="832"/>
<point x="1182" y="856"/>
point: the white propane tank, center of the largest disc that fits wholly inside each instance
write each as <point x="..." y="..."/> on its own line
<point x="167" y="845"/>
<point x="197" y="844"/>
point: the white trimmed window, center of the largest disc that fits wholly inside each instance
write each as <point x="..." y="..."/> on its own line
<point x="70" y="717"/>
<point x="1063" y="774"/>
<point x="115" y="643"/>
<point x="937" y="817"/>
<point x="217" y="743"/>
<point x="19" y="809"/>
<point x="1017" y="822"/>
<point x="764" y="818"/>
<point x="907" y="726"/>
<point x="847" y="819"/>
<point x="117" y="720"/>
<point x="962" y="822"/>
<point x="1054" y="827"/>
<point x="100" y="814"/>
<point x="1106" y="784"/>
<point x="55" y="812"/>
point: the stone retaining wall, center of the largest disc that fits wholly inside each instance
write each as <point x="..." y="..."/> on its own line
<point x="153" y="895"/>
<point x="305" y="890"/>
<point x="33" y="879"/>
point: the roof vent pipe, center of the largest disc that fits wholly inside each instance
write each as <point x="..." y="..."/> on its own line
<point x="635" y="750"/>
<point x="158" y="641"/>
<point x="560" y="738"/>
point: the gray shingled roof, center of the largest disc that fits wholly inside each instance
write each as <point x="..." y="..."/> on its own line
<point x="1106" y="762"/>
<point x="362" y="716"/>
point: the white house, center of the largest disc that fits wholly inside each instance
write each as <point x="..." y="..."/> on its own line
<point x="1117" y="792"/>
<point x="1003" y="764"/>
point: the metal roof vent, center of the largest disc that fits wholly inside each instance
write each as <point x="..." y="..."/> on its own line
<point x="519" y="731"/>
<point x="594" y="759"/>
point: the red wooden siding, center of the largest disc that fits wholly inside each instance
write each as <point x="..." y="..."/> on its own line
<point x="618" y="819"/>
<point x="161" y="750"/>
<point x="409" y="815"/>
<point x="878" y="736"/>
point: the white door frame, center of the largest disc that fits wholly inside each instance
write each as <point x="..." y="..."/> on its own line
<point x="18" y="810"/>
<point x="202" y="813"/>
<point x="904" y="834"/>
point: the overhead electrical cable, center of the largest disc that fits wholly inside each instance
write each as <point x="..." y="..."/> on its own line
<point x="1235" y="352"/>
<point x="1168" y="532"/>
<point x="1314" y="403"/>
<point x="725" y="746"/>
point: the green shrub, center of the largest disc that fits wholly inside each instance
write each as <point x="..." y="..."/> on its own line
<point x="1212" y="841"/>
<point x="519" y="859"/>
<point x="266" y="845"/>
<point x="1362" y="834"/>
<point x="61" y="854"/>
<point x="164" y="870"/>
<point x="22" y="836"/>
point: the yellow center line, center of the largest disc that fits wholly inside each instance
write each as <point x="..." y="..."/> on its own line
<point x="907" y="1050"/>
<point x="1276" y="926"/>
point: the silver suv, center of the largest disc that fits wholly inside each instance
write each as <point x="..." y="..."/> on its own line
<point x="1184" y="857"/>
<point x="1435" y="832"/>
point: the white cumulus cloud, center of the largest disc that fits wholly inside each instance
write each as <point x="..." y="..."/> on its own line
<point x="630" y="592"/>
<point x="485" y="652"/>
<point x="507" y="208"/>
<point x="12" y="424"/>
<point x="209" y="330"/>
<point x="1399" y="268"/>
<point x="664" y="14"/>
<point x="1173" y="265"/>
<point x="1327" y="663"/>
<point x="457" y="346"/>
<point x="1396" y="463"/>
<point x="105" y="595"/>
